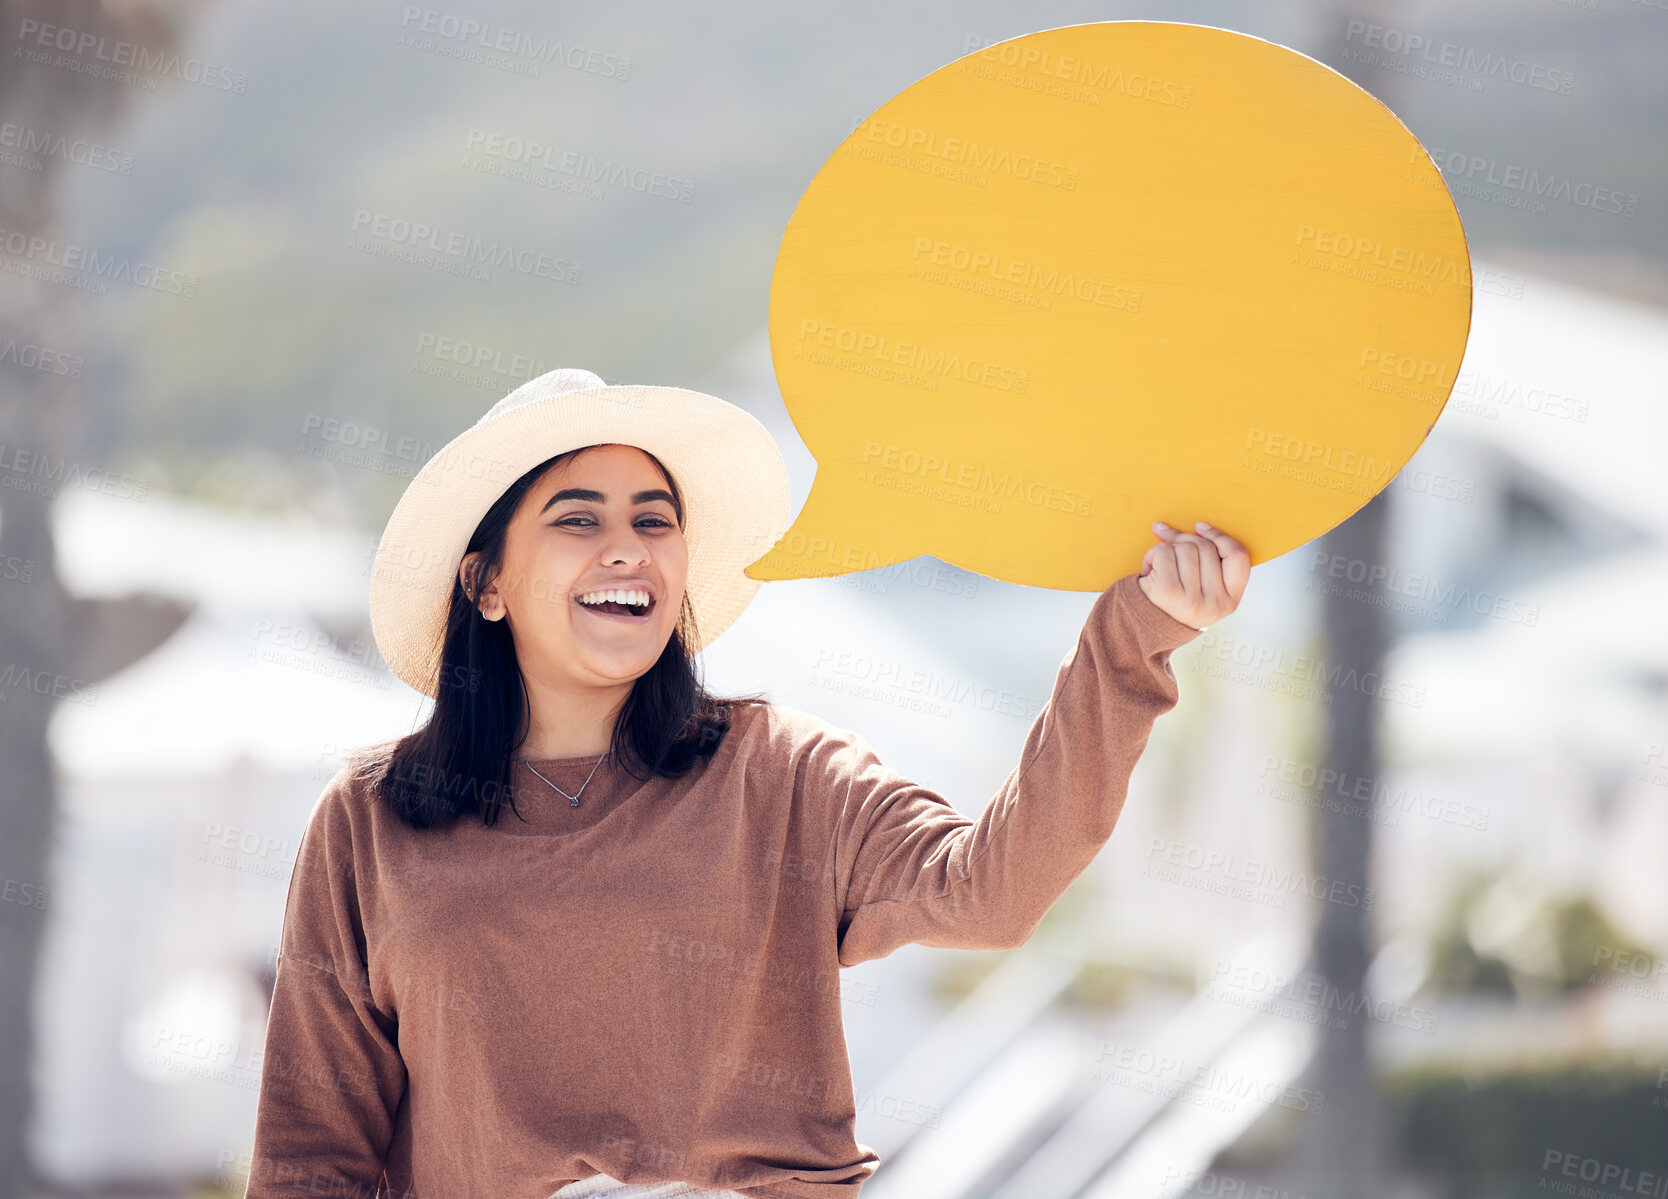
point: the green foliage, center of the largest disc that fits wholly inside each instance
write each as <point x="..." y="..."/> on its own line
<point x="1502" y="935"/>
<point x="1470" y="1126"/>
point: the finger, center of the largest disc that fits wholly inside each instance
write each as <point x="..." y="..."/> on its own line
<point x="1212" y="589"/>
<point x="1187" y="564"/>
<point x="1163" y="573"/>
<point x="1202" y="570"/>
<point x="1236" y="560"/>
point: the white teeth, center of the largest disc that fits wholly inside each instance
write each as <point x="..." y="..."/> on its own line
<point x="636" y="597"/>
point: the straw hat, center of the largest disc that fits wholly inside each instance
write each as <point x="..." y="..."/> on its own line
<point x="728" y="469"/>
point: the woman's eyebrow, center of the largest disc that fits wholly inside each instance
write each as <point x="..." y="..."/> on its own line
<point x="597" y="497"/>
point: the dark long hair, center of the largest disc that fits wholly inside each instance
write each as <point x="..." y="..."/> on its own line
<point x="461" y="760"/>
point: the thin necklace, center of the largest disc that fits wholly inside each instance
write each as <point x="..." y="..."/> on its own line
<point x="575" y="796"/>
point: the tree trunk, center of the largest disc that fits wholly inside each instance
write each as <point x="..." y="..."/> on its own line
<point x="1341" y="1150"/>
<point x="51" y="645"/>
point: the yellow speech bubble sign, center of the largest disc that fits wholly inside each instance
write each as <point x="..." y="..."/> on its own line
<point x="1105" y="274"/>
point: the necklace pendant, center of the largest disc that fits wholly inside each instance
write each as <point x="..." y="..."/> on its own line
<point x="574" y="798"/>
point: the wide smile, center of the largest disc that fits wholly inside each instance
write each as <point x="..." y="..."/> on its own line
<point x="619" y="613"/>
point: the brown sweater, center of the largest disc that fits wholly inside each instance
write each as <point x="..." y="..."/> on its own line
<point x="648" y="985"/>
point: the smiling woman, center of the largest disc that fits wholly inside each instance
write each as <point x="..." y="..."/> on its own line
<point x="633" y="990"/>
<point x="567" y="634"/>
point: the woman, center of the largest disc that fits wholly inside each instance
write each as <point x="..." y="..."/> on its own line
<point x="581" y="933"/>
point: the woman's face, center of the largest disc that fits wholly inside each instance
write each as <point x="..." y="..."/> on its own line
<point x="599" y="521"/>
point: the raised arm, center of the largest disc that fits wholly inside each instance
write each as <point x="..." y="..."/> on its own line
<point x="915" y="869"/>
<point x="331" y="1072"/>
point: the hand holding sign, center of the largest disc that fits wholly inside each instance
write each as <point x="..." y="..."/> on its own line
<point x="1197" y="578"/>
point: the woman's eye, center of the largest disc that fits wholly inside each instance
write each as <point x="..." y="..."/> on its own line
<point x="580" y="522"/>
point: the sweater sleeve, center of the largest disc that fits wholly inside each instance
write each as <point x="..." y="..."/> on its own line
<point x="912" y="868"/>
<point x="331" y="1072"/>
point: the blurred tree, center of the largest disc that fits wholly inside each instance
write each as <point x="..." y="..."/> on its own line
<point x="1340" y="1151"/>
<point x="50" y="641"/>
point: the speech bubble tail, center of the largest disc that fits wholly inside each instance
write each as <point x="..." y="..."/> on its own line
<point x="812" y="548"/>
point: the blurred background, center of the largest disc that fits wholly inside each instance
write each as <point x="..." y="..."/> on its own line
<point x="1387" y="910"/>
